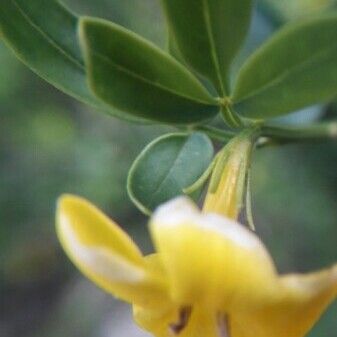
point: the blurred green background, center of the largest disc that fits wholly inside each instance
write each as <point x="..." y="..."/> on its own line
<point x="50" y="144"/>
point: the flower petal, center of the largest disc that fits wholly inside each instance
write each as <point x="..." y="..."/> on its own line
<point x="300" y="301"/>
<point x="105" y="253"/>
<point x="198" y="321"/>
<point x="209" y="258"/>
<point x="202" y="322"/>
<point x="156" y="320"/>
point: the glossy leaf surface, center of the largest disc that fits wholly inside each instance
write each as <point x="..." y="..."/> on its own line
<point x="43" y="35"/>
<point x="135" y="76"/>
<point x="209" y="33"/>
<point x="296" y="68"/>
<point x="167" y="166"/>
<point x="49" y="46"/>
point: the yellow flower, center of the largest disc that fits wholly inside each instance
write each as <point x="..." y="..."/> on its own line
<point x="210" y="277"/>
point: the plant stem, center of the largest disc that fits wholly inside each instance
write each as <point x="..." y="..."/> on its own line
<point x="279" y="135"/>
<point x="217" y="134"/>
<point x="286" y="134"/>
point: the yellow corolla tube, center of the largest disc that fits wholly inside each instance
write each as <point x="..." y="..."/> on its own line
<point x="210" y="276"/>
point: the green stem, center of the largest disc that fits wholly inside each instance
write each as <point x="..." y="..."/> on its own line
<point x="217" y="134"/>
<point x="295" y="134"/>
<point x="279" y="135"/>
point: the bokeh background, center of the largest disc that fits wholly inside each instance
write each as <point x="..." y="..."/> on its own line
<point x="50" y="144"/>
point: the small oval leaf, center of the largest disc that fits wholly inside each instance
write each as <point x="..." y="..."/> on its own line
<point x="134" y="75"/>
<point x="296" y="68"/>
<point x="166" y="167"/>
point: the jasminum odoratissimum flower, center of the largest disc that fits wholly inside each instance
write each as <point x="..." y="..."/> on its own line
<point x="209" y="277"/>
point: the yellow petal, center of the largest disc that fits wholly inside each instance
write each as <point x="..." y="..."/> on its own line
<point x="209" y="258"/>
<point x="299" y="303"/>
<point x="105" y="253"/>
<point x="199" y="321"/>
<point x="156" y="319"/>
<point x="202" y="322"/>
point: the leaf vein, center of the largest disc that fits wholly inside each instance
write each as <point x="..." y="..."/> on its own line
<point x="215" y="58"/>
<point x="49" y="39"/>
<point x="143" y="79"/>
<point x="154" y="194"/>
<point x="296" y="68"/>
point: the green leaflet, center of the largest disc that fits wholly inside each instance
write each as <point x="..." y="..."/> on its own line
<point x="43" y="35"/>
<point x="286" y="10"/>
<point x="296" y="68"/>
<point x="208" y="34"/>
<point x="167" y="166"/>
<point x="173" y="48"/>
<point x="133" y="75"/>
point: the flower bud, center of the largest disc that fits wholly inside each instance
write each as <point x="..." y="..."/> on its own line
<point x="229" y="180"/>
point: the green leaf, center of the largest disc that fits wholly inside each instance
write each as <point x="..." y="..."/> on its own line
<point x="43" y="35"/>
<point x="134" y="75"/>
<point x="208" y="34"/>
<point x="173" y="48"/>
<point x="296" y="68"/>
<point x="167" y="166"/>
